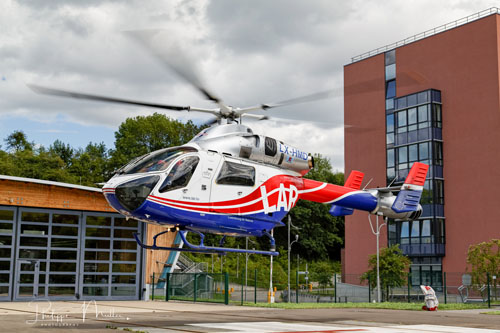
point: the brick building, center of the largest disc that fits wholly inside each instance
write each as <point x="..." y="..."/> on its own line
<point x="434" y="98"/>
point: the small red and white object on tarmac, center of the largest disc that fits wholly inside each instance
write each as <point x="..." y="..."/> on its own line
<point x="431" y="301"/>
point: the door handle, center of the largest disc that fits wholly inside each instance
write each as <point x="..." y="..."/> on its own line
<point x="184" y="190"/>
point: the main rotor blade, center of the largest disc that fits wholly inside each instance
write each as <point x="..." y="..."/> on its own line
<point x="64" y="93"/>
<point x="297" y="100"/>
<point x="170" y="54"/>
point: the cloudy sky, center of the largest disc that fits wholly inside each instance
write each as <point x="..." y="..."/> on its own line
<point x="247" y="52"/>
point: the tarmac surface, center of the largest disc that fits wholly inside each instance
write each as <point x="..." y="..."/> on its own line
<point x="156" y="317"/>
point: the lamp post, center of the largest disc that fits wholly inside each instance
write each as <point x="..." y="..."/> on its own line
<point x="377" y="234"/>
<point x="289" y="250"/>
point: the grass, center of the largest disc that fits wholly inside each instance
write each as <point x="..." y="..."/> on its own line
<point x="491" y="313"/>
<point x="384" y="305"/>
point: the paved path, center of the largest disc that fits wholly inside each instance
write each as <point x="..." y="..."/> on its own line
<point x="156" y="317"/>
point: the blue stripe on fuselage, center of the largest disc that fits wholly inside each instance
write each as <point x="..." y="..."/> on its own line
<point x="236" y="225"/>
<point x="358" y="200"/>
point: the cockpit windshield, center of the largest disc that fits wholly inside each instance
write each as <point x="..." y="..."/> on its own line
<point x="156" y="161"/>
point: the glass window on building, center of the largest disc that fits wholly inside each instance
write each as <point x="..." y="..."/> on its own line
<point x="423" y="116"/>
<point x="423" y="97"/>
<point x="438" y="153"/>
<point x="415" y="232"/>
<point x="412" y="119"/>
<point x="390" y="89"/>
<point x="405" y="232"/>
<point x="390" y="72"/>
<point x="427" y="195"/>
<point x="390" y="57"/>
<point x="437" y="115"/>
<point x="412" y="99"/>
<point x="403" y="157"/>
<point x="426" y="232"/>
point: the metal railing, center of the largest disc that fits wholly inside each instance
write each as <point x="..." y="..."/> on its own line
<point x="428" y="33"/>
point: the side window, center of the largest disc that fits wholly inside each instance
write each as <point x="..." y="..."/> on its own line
<point x="236" y="174"/>
<point x="180" y="174"/>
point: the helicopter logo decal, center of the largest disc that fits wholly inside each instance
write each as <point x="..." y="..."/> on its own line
<point x="287" y="197"/>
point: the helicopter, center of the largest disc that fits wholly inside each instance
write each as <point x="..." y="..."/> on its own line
<point x="232" y="182"/>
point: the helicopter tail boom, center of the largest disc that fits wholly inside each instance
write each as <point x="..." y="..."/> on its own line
<point x="345" y="199"/>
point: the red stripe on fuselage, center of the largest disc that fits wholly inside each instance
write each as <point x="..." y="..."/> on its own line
<point x="308" y="189"/>
<point x="323" y="193"/>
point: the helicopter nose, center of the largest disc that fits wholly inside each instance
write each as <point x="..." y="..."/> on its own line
<point x="131" y="195"/>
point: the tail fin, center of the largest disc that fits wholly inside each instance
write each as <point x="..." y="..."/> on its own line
<point x="416" y="178"/>
<point x="354" y="180"/>
<point x="409" y="197"/>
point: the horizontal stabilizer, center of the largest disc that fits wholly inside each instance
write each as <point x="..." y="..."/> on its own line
<point x="340" y="211"/>
<point x="407" y="201"/>
<point x="354" y="180"/>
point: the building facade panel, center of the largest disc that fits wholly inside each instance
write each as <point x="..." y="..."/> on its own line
<point x="364" y="147"/>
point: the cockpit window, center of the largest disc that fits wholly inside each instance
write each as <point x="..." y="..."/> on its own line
<point x="156" y="161"/>
<point x="236" y="174"/>
<point x="180" y="174"/>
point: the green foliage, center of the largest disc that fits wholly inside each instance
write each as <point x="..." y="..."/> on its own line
<point x="90" y="165"/>
<point x="393" y="267"/>
<point x="17" y="141"/>
<point x="322" y="273"/>
<point x="143" y="134"/>
<point x="484" y="259"/>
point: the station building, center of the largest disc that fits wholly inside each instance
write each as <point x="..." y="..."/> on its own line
<point x="433" y="98"/>
<point x="63" y="241"/>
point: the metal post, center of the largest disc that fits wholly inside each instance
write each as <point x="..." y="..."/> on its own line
<point x="289" y="247"/>
<point x="335" y="286"/>
<point x="445" y="289"/>
<point x="226" y="288"/>
<point x="255" y="288"/>
<point x="369" y="291"/>
<point x="378" y="264"/>
<point x="167" y="292"/>
<point x="377" y="234"/>
<point x="488" y="280"/>
<point x="242" y="288"/>
<point x="297" y="288"/>
<point x="271" y="300"/>
<point x="289" y="251"/>
<point x="195" y="287"/>
<point x="246" y="267"/>
<point x="409" y="283"/>
<point x="153" y="284"/>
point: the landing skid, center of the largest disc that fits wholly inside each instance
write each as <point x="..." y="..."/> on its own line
<point x="201" y="248"/>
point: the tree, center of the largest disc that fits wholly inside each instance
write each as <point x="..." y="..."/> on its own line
<point x="17" y="141"/>
<point x="64" y="151"/>
<point x="393" y="266"/>
<point x="143" y="134"/>
<point x="90" y="165"/>
<point x="484" y="259"/>
<point x="322" y="272"/>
